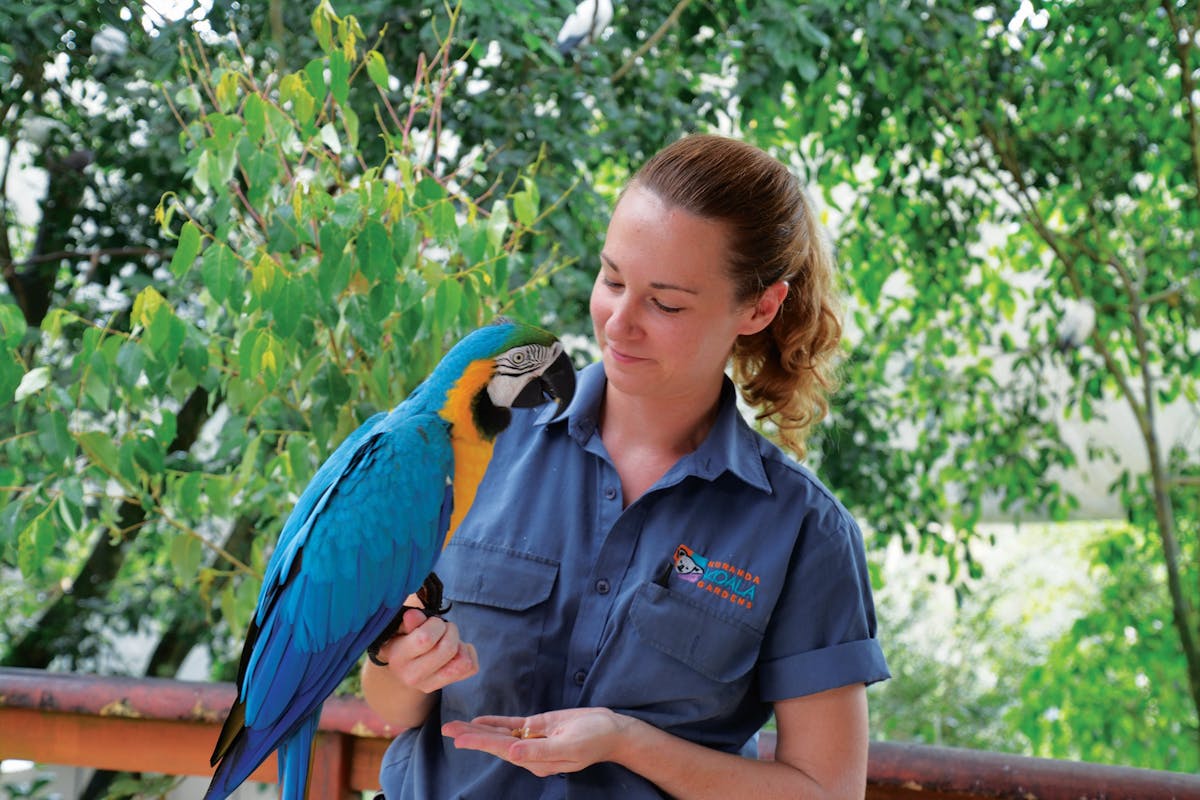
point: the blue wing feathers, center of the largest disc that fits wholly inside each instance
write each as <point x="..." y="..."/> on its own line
<point x="362" y="536"/>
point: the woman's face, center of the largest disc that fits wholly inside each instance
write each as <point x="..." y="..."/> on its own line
<point x="663" y="306"/>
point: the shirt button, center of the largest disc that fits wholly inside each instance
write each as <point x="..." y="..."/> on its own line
<point x="611" y="493"/>
<point x="580" y="677"/>
<point x="602" y="586"/>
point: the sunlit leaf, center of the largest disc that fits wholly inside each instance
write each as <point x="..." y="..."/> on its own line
<point x="33" y="382"/>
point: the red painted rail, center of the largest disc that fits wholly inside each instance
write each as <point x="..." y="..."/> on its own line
<point x="166" y="726"/>
<point x="169" y="727"/>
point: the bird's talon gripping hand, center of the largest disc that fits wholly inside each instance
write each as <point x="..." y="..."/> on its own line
<point x="373" y="649"/>
<point x="431" y="594"/>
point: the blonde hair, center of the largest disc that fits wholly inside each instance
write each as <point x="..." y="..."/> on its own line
<point x="788" y="370"/>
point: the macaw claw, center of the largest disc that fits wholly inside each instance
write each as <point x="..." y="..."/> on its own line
<point x="431" y="594"/>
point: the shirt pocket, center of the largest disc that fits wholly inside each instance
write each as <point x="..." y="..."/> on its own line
<point x="495" y="576"/>
<point x="695" y="668"/>
<point x="717" y="648"/>
<point x="499" y="600"/>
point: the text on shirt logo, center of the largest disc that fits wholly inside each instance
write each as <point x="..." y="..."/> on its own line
<point x="729" y="582"/>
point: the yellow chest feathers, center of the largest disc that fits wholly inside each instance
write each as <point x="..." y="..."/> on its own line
<point x="471" y="451"/>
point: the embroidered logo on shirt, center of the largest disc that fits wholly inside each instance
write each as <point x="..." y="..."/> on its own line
<point x="729" y="582"/>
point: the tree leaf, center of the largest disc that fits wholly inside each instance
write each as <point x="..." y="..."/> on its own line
<point x="34" y="545"/>
<point x="377" y="69"/>
<point x="375" y="252"/>
<point x="33" y="382"/>
<point x="100" y="450"/>
<point x="12" y="324"/>
<point x="445" y="224"/>
<point x="218" y="270"/>
<point x="497" y="225"/>
<point x="447" y="302"/>
<point x="227" y="88"/>
<point x="339" y="76"/>
<point x="255" y="114"/>
<point x="329" y="137"/>
<point x="525" y="208"/>
<point x="186" y="554"/>
<point x="290" y="304"/>
<point x="186" y="250"/>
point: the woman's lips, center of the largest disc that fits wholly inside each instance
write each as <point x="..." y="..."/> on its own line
<point x="623" y="358"/>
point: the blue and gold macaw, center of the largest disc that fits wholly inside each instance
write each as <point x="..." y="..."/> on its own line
<point x="363" y="536"/>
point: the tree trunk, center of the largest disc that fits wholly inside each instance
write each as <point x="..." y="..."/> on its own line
<point x="1183" y="614"/>
<point x="33" y="286"/>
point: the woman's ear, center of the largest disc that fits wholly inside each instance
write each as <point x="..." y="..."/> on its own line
<point x="765" y="308"/>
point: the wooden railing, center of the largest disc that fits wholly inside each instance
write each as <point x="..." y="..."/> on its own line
<point x="166" y="726"/>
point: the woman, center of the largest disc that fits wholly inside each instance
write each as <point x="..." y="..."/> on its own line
<point x="642" y="582"/>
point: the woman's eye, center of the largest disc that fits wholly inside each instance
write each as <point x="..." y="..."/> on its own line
<point x="611" y="284"/>
<point x="667" y="309"/>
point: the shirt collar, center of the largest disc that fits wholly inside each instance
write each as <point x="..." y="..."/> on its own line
<point x="730" y="446"/>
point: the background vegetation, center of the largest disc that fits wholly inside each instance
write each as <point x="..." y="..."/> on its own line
<point x="262" y="222"/>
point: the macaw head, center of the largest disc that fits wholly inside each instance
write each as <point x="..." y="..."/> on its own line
<point x="502" y="366"/>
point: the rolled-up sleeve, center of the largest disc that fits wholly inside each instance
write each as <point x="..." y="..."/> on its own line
<point x="822" y="631"/>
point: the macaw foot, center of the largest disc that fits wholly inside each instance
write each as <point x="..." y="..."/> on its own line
<point x="431" y="594"/>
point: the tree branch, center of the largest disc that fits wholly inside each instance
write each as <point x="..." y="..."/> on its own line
<point x="1070" y="264"/>
<point x="1187" y="85"/>
<point x="6" y="258"/>
<point x="92" y="255"/>
<point x="671" y="20"/>
<point x="1143" y="410"/>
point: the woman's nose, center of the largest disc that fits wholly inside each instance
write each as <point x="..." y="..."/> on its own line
<point x="622" y="318"/>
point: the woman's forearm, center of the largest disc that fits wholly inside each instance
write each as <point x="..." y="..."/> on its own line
<point x="690" y="771"/>
<point x="400" y="706"/>
<point x="821" y="751"/>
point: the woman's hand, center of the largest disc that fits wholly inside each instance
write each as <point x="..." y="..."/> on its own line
<point x="426" y="655"/>
<point x="546" y="744"/>
<point x="821" y="752"/>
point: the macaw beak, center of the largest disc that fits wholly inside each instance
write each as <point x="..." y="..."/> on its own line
<point x="556" y="383"/>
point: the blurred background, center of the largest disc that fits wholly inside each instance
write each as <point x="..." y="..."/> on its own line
<point x="230" y="231"/>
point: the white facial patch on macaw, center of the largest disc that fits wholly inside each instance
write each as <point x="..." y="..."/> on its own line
<point x="515" y="368"/>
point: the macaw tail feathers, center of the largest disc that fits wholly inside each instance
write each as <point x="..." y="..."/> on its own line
<point x="294" y="756"/>
<point x="250" y="748"/>
<point x="229" y="757"/>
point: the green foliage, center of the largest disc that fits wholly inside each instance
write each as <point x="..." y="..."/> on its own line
<point x="308" y="289"/>
<point x="348" y="193"/>
<point x="986" y="167"/>
<point x="959" y="654"/>
<point x="37" y="787"/>
<point x="142" y="787"/>
<point x="58" y="81"/>
<point x="1114" y="687"/>
<point x="1063" y="649"/>
<point x="955" y="670"/>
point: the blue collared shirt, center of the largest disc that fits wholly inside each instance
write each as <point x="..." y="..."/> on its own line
<point x="737" y="580"/>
